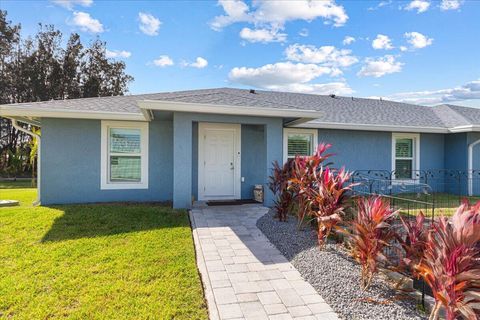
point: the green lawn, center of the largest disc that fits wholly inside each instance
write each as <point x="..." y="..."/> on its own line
<point x="19" y="184"/>
<point x="439" y="203"/>
<point x="97" y="262"/>
<point x="443" y="203"/>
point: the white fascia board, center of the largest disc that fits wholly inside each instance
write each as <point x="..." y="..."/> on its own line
<point x="226" y="109"/>
<point x="371" y="127"/>
<point x="9" y="111"/>
<point x="467" y="128"/>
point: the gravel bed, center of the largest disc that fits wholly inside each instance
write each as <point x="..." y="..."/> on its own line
<point x="336" y="276"/>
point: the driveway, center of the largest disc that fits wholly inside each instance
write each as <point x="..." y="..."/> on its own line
<point x="244" y="275"/>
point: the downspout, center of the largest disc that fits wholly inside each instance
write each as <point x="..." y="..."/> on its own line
<point x="39" y="152"/>
<point x="470" y="166"/>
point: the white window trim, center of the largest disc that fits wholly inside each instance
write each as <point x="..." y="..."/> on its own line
<point x="105" y="184"/>
<point x="288" y="131"/>
<point x="416" y="152"/>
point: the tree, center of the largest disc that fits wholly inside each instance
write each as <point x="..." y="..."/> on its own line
<point x="40" y="69"/>
<point x="71" y="64"/>
<point x="103" y="77"/>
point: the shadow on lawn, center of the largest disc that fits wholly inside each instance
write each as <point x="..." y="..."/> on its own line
<point x="88" y="221"/>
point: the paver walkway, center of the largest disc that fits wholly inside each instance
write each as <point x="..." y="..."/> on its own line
<point x="244" y="275"/>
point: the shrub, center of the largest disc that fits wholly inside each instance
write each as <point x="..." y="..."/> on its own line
<point x="451" y="263"/>
<point x="413" y="242"/>
<point x="305" y="173"/>
<point x="278" y="183"/>
<point x="326" y="200"/>
<point x="371" y="231"/>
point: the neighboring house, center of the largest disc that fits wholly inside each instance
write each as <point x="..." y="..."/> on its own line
<point x="219" y="143"/>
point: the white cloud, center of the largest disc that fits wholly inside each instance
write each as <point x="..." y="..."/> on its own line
<point x="419" y="5"/>
<point x="86" y="23"/>
<point x="418" y="40"/>
<point x="274" y="14"/>
<point x="262" y="35"/>
<point x="163" y="61"/>
<point x="69" y="4"/>
<point x="403" y="48"/>
<point x="304" y="32"/>
<point x="468" y="91"/>
<point x="280" y="73"/>
<point x="279" y="76"/>
<point x="382" y="42"/>
<point x="450" y="5"/>
<point x="149" y="24"/>
<point x="380" y="5"/>
<point x="325" y="55"/>
<point x="235" y="11"/>
<point x="380" y="67"/>
<point x="199" y="63"/>
<point x="348" y="40"/>
<point x="337" y="88"/>
<point x="118" y="54"/>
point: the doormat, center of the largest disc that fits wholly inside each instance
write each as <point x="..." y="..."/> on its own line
<point x="230" y="202"/>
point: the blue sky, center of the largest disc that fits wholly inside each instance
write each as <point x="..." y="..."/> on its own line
<point x="419" y="51"/>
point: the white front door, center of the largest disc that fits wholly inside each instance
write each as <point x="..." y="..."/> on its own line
<point x="218" y="161"/>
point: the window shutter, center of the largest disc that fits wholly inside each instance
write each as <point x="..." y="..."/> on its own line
<point x="299" y="145"/>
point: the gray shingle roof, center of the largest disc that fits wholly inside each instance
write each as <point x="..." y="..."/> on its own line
<point x="345" y="110"/>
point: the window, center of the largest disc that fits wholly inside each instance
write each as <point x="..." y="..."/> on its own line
<point x="124" y="155"/>
<point x="405" y="155"/>
<point x="298" y="142"/>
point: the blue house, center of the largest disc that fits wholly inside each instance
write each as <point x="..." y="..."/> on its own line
<point x="218" y="144"/>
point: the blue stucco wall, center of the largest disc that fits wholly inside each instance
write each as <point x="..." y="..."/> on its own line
<point x="252" y="155"/>
<point x="366" y="150"/>
<point x="456" y="151"/>
<point x="253" y="158"/>
<point x="432" y="148"/>
<point x="195" y="160"/>
<point x="372" y="150"/>
<point x="359" y="150"/>
<point x="71" y="156"/>
<point x="185" y="160"/>
<point x="432" y="157"/>
<point x="70" y="163"/>
<point x="471" y="138"/>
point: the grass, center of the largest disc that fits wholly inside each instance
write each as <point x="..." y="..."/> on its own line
<point x="19" y="184"/>
<point x="97" y="262"/>
<point x="443" y="203"/>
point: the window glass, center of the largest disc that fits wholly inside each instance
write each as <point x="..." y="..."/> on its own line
<point x="124" y="140"/>
<point x="125" y="168"/>
<point x="404" y="158"/>
<point x="299" y="144"/>
<point x="404" y="148"/>
<point x="403" y="169"/>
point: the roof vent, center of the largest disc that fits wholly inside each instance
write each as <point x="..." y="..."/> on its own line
<point x="332" y="96"/>
<point x="252" y="91"/>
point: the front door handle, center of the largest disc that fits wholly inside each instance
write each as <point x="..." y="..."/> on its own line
<point x="231" y="166"/>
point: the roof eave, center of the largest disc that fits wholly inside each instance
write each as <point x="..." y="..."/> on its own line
<point x="372" y="127"/>
<point x="9" y="111"/>
<point x="466" y="128"/>
<point x="227" y="109"/>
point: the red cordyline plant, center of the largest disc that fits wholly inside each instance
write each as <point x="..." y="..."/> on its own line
<point x="278" y="183"/>
<point x="451" y="263"/>
<point x="413" y="242"/>
<point x="326" y="201"/>
<point x="305" y="176"/>
<point x="371" y="231"/>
